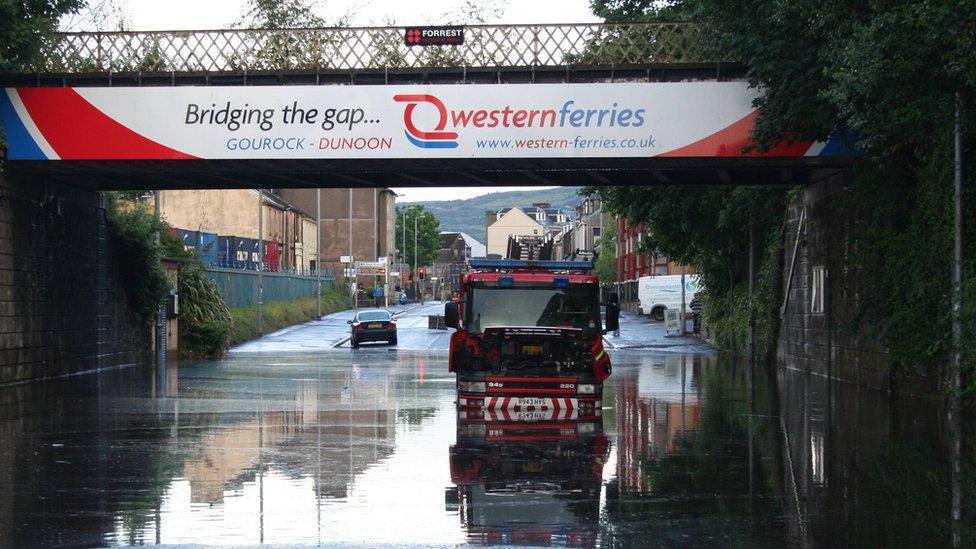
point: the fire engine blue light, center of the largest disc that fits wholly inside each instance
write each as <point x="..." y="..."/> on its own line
<point x="502" y="264"/>
<point x="560" y="282"/>
<point x="506" y="282"/>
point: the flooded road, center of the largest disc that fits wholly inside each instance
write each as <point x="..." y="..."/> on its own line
<point x="366" y="447"/>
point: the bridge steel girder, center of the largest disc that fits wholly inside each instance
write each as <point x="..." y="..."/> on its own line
<point x="453" y="172"/>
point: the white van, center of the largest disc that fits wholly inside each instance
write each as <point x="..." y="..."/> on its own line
<point x="657" y="293"/>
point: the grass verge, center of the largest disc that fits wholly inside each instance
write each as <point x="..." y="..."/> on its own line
<point x="281" y="314"/>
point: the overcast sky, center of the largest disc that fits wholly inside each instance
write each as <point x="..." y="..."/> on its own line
<point x="215" y="14"/>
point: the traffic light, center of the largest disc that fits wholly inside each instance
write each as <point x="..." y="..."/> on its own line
<point x="422" y="272"/>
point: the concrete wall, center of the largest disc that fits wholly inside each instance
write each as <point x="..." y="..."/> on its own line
<point x="822" y="342"/>
<point x="231" y="212"/>
<point x="62" y="309"/>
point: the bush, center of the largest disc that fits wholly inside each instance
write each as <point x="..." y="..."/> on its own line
<point x="205" y="320"/>
<point x="133" y="233"/>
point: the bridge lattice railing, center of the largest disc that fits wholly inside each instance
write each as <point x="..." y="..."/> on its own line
<point x="360" y="48"/>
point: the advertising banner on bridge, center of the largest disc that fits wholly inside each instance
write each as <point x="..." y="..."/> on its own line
<point x="678" y="119"/>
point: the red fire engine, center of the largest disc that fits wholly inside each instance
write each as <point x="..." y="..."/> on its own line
<point x="529" y="341"/>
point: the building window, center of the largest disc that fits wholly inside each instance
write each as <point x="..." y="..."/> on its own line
<point x="818" y="278"/>
<point x="597" y="232"/>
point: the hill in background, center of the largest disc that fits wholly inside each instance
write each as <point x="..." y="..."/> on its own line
<point x="469" y="215"/>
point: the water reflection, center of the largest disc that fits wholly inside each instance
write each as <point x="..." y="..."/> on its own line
<point x="528" y="483"/>
<point x="315" y="449"/>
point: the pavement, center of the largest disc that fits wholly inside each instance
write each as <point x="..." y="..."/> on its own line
<point x="331" y="332"/>
<point x="640" y="332"/>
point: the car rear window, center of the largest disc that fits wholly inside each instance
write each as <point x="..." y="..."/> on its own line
<point x="371" y="316"/>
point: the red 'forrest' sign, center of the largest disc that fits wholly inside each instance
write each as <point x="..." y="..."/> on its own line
<point x="434" y="36"/>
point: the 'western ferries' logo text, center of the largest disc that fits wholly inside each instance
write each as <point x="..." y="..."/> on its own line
<point x="566" y="116"/>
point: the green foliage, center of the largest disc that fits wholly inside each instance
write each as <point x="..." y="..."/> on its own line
<point x="133" y="233"/>
<point x="279" y="14"/>
<point x="281" y="314"/>
<point x="25" y="27"/>
<point x="606" y="264"/>
<point x="428" y="228"/>
<point x="205" y="320"/>
<point x="887" y="73"/>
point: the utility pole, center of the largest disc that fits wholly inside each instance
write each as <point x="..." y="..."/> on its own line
<point x="260" y="262"/>
<point x="955" y="436"/>
<point x="376" y="230"/>
<point x="403" y="248"/>
<point x="161" y="339"/>
<point x="318" y="251"/>
<point x="351" y="271"/>
<point x="681" y="315"/>
<point x="416" y="254"/>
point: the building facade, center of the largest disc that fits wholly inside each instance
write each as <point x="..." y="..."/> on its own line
<point x="370" y="217"/>
<point x="580" y="240"/>
<point x="288" y="230"/>
<point x="634" y="261"/>
<point x="540" y="220"/>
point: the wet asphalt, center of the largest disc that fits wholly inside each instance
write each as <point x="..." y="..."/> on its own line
<point x="298" y="440"/>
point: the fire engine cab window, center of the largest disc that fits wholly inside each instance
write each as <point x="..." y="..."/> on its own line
<point x="511" y="307"/>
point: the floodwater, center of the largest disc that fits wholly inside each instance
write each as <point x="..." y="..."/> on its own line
<point x="340" y="448"/>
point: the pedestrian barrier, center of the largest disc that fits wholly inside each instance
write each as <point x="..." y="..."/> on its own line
<point x="239" y="288"/>
<point x="436" y="322"/>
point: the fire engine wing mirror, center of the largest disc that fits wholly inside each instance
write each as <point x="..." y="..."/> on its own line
<point x="451" y="319"/>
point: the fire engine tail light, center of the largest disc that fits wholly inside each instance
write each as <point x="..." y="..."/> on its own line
<point x="473" y="386"/>
<point x="586" y="388"/>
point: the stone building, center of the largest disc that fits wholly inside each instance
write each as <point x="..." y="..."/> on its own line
<point x="234" y="212"/>
<point x="539" y="220"/>
<point x="372" y="217"/>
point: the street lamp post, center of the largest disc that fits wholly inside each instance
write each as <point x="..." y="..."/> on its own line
<point x="416" y="274"/>
<point x="350" y="271"/>
<point x="318" y="251"/>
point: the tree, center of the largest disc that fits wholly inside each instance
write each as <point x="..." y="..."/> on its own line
<point x="279" y="14"/>
<point x="26" y="25"/>
<point x="606" y="264"/>
<point x="428" y="230"/>
<point x="887" y="73"/>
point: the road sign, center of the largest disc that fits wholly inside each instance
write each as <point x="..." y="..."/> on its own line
<point x="671" y="321"/>
<point x="345" y="259"/>
<point x="371" y="268"/>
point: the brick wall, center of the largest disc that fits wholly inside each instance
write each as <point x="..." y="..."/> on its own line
<point x="822" y="342"/>
<point x="62" y="310"/>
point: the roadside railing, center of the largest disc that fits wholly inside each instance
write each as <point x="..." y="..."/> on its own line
<point x="240" y="287"/>
<point x="363" y="48"/>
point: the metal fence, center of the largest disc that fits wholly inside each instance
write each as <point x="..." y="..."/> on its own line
<point x="361" y="48"/>
<point x="240" y="287"/>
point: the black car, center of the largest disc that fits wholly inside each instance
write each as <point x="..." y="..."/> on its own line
<point x="372" y="325"/>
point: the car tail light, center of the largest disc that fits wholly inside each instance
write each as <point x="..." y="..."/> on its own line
<point x="357" y="326"/>
<point x="391" y="325"/>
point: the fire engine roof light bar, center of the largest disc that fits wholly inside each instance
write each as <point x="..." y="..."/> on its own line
<point x="511" y="264"/>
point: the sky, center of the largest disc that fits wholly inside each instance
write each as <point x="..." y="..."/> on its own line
<point x="216" y="14"/>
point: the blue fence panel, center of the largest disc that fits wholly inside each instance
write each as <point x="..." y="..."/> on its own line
<point x="209" y="248"/>
<point x="240" y="287"/>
